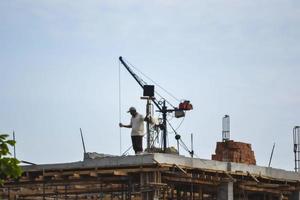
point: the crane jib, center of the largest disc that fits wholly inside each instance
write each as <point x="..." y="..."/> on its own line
<point x="140" y="81"/>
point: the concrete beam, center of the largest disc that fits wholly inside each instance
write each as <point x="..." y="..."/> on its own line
<point x="169" y="159"/>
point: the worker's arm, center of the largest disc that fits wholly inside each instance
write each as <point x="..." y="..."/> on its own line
<point x="126" y="126"/>
<point x="147" y="118"/>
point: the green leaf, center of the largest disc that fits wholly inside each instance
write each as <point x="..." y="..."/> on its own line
<point x="3" y="136"/>
<point x="11" y="142"/>
<point x="9" y="167"/>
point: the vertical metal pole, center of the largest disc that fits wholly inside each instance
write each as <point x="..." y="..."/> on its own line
<point x="192" y="188"/>
<point x="164" y="109"/>
<point x="192" y="145"/>
<point x="122" y="193"/>
<point x="66" y="189"/>
<point x="129" y="189"/>
<point x="148" y="124"/>
<point x="178" y="194"/>
<point x="14" y="138"/>
<point x="297" y="133"/>
<point x="82" y="141"/>
<point x="56" y="196"/>
<point x="296" y="138"/>
<point x="44" y="191"/>
<point x="271" y="155"/>
<point x="101" y="193"/>
<point x="120" y="102"/>
<point x="295" y="148"/>
<point x="147" y="182"/>
<point x="178" y="146"/>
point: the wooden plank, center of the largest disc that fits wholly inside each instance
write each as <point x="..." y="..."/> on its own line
<point x="120" y="173"/>
<point x="105" y="171"/>
<point x="93" y="174"/>
<point x="182" y="170"/>
<point x="74" y="176"/>
<point x="252" y="176"/>
<point x="189" y="180"/>
<point x="267" y="190"/>
<point x="229" y="176"/>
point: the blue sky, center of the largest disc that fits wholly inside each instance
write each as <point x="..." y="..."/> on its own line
<point x="59" y="72"/>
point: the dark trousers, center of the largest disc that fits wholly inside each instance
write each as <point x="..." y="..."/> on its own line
<point x="137" y="143"/>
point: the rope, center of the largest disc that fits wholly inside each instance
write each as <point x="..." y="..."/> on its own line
<point x="176" y="129"/>
<point x="120" y="100"/>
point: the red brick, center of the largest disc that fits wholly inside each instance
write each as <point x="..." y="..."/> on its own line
<point x="234" y="152"/>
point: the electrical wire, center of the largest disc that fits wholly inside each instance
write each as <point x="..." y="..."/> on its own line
<point x="183" y="145"/>
<point x="177" y="126"/>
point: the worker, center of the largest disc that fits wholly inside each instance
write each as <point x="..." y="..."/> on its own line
<point x="137" y="129"/>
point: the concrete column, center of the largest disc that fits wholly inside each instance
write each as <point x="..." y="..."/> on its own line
<point x="225" y="191"/>
<point x="150" y="192"/>
<point x="178" y="193"/>
<point x="172" y="192"/>
<point x="200" y="193"/>
<point x="296" y="195"/>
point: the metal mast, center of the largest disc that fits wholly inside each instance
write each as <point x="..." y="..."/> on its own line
<point x="296" y="138"/>
<point x="162" y="109"/>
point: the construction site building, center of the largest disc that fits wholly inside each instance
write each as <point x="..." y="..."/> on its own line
<point x="152" y="176"/>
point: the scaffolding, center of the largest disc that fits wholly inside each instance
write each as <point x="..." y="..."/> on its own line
<point x="148" y="177"/>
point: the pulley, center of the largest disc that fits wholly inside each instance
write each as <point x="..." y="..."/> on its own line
<point x="177" y="137"/>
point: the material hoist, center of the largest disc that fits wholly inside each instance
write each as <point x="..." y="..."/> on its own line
<point x="148" y="94"/>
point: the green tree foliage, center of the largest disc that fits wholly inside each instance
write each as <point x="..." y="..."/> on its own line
<point x="9" y="167"/>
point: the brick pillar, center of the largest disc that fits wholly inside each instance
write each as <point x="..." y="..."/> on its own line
<point x="225" y="191"/>
<point x="296" y="195"/>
